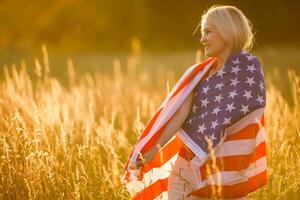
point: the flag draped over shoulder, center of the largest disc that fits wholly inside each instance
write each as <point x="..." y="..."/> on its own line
<point x="228" y="112"/>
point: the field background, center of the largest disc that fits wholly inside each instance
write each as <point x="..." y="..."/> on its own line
<point x="80" y="81"/>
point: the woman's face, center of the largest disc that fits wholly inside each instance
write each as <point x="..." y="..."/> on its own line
<point x="213" y="42"/>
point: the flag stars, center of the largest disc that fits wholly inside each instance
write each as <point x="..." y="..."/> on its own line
<point x="250" y="81"/>
<point x="261" y="85"/>
<point x="201" y="128"/>
<point x="219" y="85"/>
<point x="251" y="68"/>
<point x="204" y="102"/>
<point x="220" y="73"/>
<point x="230" y="107"/>
<point x="250" y="57"/>
<point x="190" y="121"/>
<point x="205" y="89"/>
<point x="214" y="124"/>
<point x="232" y="94"/>
<point x="245" y="108"/>
<point x="234" y="82"/>
<point x="227" y="120"/>
<point x="203" y="115"/>
<point x="236" y="61"/>
<point x="216" y="110"/>
<point x="260" y="99"/>
<point x="213" y="137"/>
<point x="235" y="69"/>
<point x="218" y="98"/>
<point x="247" y="94"/>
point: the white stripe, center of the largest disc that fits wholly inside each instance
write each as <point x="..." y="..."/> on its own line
<point x="234" y="147"/>
<point x="152" y="176"/>
<point x="187" y="89"/>
<point x="234" y="177"/>
<point x="159" y="173"/>
<point x="240" y="147"/>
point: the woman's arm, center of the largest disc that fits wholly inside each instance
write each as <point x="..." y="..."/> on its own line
<point x="171" y="128"/>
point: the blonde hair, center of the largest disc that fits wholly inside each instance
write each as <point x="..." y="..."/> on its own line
<point x="232" y="25"/>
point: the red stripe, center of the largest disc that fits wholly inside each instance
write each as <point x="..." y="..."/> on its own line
<point x="263" y="120"/>
<point x="164" y="155"/>
<point x="232" y="163"/>
<point x="236" y="190"/>
<point x="248" y="132"/>
<point x="153" y="190"/>
<point x="149" y="126"/>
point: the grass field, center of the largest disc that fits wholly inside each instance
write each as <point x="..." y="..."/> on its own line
<point x="70" y="139"/>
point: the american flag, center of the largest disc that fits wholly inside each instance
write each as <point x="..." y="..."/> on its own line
<point x="228" y="113"/>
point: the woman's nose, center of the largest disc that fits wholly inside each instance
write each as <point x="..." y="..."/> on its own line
<point x="203" y="39"/>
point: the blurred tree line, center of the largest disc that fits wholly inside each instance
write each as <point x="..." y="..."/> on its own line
<point x="110" y="25"/>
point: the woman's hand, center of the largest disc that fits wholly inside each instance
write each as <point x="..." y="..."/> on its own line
<point x="145" y="158"/>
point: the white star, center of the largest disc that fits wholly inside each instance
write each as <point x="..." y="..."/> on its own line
<point x="194" y="108"/>
<point x="214" y="124"/>
<point x="247" y="94"/>
<point x="236" y="61"/>
<point x="250" y="81"/>
<point x="201" y="128"/>
<point x="202" y="116"/>
<point x="205" y="90"/>
<point x="227" y="120"/>
<point x="216" y="110"/>
<point x="261" y="85"/>
<point x="232" y="94"/>
<point x="251" y="68"/>
<point x="234" y="82"/>
<point x="213" y="137"/>
<point x="235" y="69"/>
<point x="218" y="98"/>
<point x="230" y="107"/>
<point x="260" y="99"/>
<point x="190" y="121"/>
<point x="245" y="108"/>
<point x="219" y="85"/>
<point x="204" y="102"/>
<point x="250" y="57"/>
<point x="220" y="73"/>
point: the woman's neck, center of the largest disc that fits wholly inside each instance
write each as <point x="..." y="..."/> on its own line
<point x="222" y="58"/>
<point x="220" y="61"/>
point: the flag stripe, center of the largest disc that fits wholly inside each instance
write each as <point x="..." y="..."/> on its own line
<point x="248" y="132"/>
<point x="236" y="162"/>
<point x="236" y="190"/>
<point x="244" y="146"/>
<point x="153" y="190"/>
<point x="164" y="155"/>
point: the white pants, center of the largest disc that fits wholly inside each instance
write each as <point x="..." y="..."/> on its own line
<point x="183" y="180"/>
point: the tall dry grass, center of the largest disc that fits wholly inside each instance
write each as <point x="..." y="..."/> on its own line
<point x="71" y="141"/>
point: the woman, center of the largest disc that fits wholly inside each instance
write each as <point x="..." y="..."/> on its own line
<point x="226" y="34"/>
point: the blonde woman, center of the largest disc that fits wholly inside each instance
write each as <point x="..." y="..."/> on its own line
<point x="218" y="121"/>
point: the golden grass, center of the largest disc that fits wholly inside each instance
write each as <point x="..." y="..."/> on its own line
<point x="71" y="141"/>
